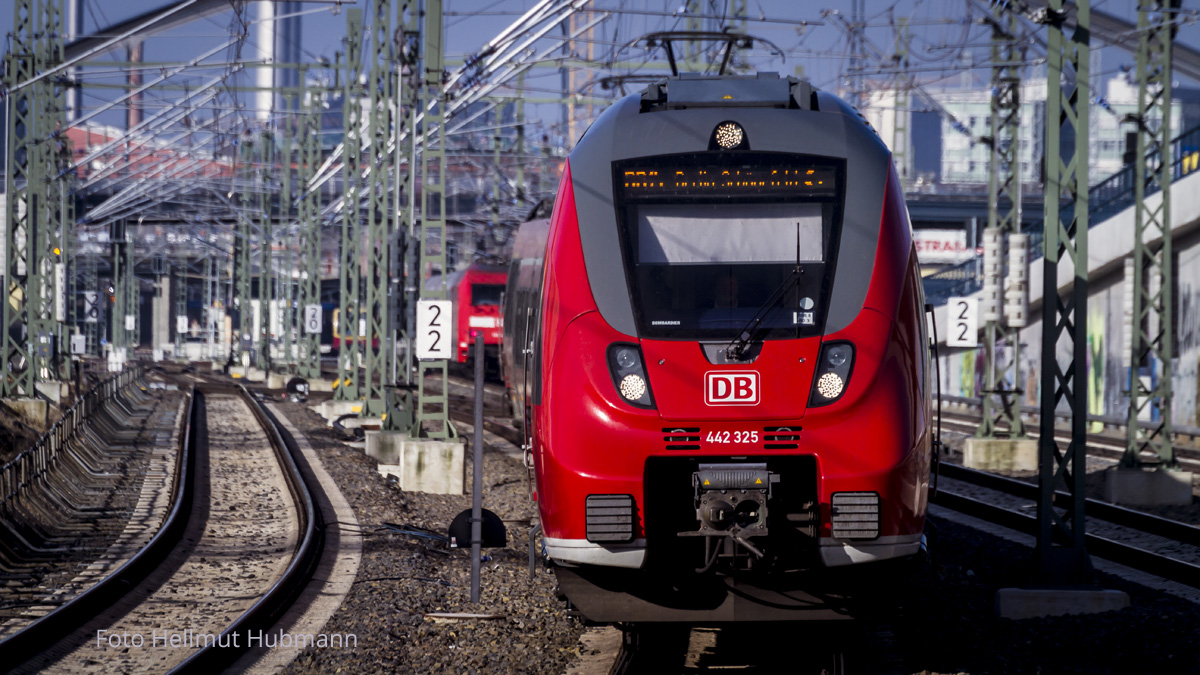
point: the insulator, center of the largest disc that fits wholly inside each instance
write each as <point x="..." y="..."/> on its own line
<point x="1016" y="294"/>
<point x="993" y="251"/>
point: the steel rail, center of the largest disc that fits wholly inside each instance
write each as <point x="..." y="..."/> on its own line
<point x="283" y="593"/>
<point x="73" y="614"/>
<point x="1157" y="564"/>
<point x="1105" y="446"/>
<point x="70" y="616"/>
<point x="1111" y="513"/>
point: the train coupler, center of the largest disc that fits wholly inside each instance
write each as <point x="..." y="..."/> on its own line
<point x="731" y="502"/>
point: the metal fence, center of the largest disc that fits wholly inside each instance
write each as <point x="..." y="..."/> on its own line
<point x="30" y="467"/>
<point x="1105" y="200"/>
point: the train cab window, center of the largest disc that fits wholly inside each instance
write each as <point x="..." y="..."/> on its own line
<point x="709" y="248"/>
<point x="486" y="294"/>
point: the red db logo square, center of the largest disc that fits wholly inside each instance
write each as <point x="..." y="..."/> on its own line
<point x="726" y="387"/>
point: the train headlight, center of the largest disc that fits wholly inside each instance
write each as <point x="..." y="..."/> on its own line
<point x="830" y="385"/>
<point x="629" y="375"/>
<point x="633" y="387"/>
<point x="833" y="372"/>
<point x="728" y="136"/>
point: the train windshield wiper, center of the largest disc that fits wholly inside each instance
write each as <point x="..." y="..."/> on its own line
<point x="753" y="327"/>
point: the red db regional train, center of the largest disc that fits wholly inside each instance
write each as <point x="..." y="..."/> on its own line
<point x="477" y="292"/>
<point x="719" y="340"/>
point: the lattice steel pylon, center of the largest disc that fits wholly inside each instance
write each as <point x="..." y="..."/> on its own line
<point x="497" y="177"/>
<point x="522" y="188"/>
<point x="377" y="345"/>
<point x="24" y="181"/>
<point x="1061" y="553"/>
<point x="286" y="272"/>
<point x="124" y="284"/>
<point x="903" y="115"/>
<point x="74" y="315"/>
<point x="210" y="317"/>
<point x="1152" y="337"/>
<point x="308" y="345"/>
<point x="58" y="193"/>
<point x="133" y="295"/>
<point x="263" y="170"/>
<point x="348" y="388"/>
<point x="91" y="284"/>
<point x="408" y="101"/>
<point x="180" y="292"/>
<point x="433" y="401"/>
<point x="1002" y="345"/>
<point x="242" y="249"/>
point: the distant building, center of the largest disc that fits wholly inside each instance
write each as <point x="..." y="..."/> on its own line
<point x="963" y="162"/>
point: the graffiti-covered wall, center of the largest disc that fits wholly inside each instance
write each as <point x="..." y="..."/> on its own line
<point x="1106" y="351"/>
<point x="1187" y="328"/>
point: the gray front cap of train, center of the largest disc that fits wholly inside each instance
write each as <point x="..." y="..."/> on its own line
<point x="834" y="129"/>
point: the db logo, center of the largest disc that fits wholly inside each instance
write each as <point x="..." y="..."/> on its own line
<point x="731" y="388"/>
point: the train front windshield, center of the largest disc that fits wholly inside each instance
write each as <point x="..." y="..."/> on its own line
<point x="487" y="294"/>
<point x="710" y="248"/>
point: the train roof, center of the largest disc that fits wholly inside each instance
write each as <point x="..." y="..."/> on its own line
<point x="679" y="116"/>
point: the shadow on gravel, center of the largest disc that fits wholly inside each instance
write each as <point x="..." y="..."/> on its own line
<point x="952" y="627"/>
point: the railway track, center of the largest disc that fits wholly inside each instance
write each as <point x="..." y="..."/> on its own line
<point x="237" y="548"/>
<point x="1163" y="547"/>
<point x="1159" y="546"/>
<point x="1099" y="445"/>
<point x="100" y="498"/>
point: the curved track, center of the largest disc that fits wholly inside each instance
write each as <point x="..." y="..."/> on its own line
<point x="239" y="545"/>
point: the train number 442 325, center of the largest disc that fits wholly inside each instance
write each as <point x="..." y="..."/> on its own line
<point x="731" y="437"/>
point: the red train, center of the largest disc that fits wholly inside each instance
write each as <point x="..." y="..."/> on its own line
<point x="477" y="292"/>
<point x="718" y="341"/>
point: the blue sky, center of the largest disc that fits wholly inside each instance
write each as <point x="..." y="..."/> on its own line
<point x="940" y="39"/>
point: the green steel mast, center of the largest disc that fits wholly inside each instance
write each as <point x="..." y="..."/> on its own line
<point x="1004" y="315"/>
<point x="308" y="345"/>
<point x="433" y="409"/>
<point x="1061" y="554"/>
<point x="1153" y="278"/>
<point x="349" y="388"/>
<point x="378" y="345"/>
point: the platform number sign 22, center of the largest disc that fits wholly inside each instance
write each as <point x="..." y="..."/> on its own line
<point x="962" y="317"/>
<point x="435" y="335"/>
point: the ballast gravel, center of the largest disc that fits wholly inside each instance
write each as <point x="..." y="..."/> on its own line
<point x="404" y="577"/>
